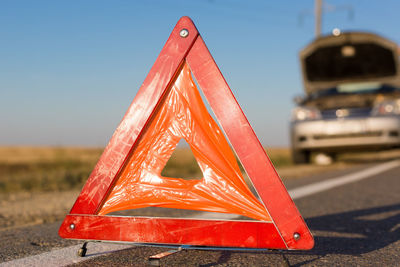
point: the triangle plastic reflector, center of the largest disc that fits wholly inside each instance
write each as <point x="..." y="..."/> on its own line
<point x="168" y="108"/>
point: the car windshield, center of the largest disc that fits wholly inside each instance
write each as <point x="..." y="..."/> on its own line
<point x="355" y="88"/>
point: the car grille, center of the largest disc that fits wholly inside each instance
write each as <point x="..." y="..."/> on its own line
<point x="346" y="113"/>
<point x="348" y="135"/>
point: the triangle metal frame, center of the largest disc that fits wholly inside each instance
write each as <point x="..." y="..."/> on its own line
<point x="287" y="230"/>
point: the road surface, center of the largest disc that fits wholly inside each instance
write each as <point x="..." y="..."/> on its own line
<point x="354" y="215"/>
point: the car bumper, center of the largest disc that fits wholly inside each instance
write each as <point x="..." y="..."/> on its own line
<point x="379" y="132"/>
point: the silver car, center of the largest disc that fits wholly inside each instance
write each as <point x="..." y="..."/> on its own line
<point x="352" y="99"/>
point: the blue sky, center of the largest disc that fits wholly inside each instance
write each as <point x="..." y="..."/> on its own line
<point x="70" y="69"/>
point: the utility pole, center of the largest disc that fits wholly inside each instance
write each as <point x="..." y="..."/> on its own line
<point x="318" y="17"/>
<point x="319" y="7"/>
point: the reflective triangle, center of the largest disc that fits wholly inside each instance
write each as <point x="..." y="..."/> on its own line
<point x="168" y="107"/>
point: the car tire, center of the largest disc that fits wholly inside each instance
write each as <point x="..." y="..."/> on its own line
<point x="301" y="156"/>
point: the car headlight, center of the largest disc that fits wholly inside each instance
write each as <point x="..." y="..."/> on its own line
<point x="389" y="107"/>
<point x="303" y="113"/>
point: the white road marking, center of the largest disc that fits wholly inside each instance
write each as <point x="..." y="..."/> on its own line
<point x="318" y="187"/>
<point x="68" y="255"/>
<point x="314" y="188"/>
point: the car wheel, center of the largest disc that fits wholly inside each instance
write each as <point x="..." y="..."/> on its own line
<point x="301" y="156"/>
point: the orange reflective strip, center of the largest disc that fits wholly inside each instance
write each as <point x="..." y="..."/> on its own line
<point x="182" y="114"/>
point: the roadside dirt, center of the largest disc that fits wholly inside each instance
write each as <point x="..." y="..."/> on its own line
<point x="18" y="209"/>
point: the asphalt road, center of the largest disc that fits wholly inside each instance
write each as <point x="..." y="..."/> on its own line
<point x="355" y="224"/>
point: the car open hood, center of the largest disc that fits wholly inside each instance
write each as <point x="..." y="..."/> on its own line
<point x="349" y="57"/>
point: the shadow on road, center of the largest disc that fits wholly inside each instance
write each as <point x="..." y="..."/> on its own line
<point x="224" y="258"/>
<point x="354" y="232"/>
<point x="348" y="233"/>
<point x="357" y="232"/>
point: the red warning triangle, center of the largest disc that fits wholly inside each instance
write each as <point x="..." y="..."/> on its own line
<point x="167" y="108"/>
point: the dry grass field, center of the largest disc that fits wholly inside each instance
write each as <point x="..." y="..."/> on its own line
<point x="45" y="168"/>
<point x="55" y="169"/>
<point x="64" y="168"/>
